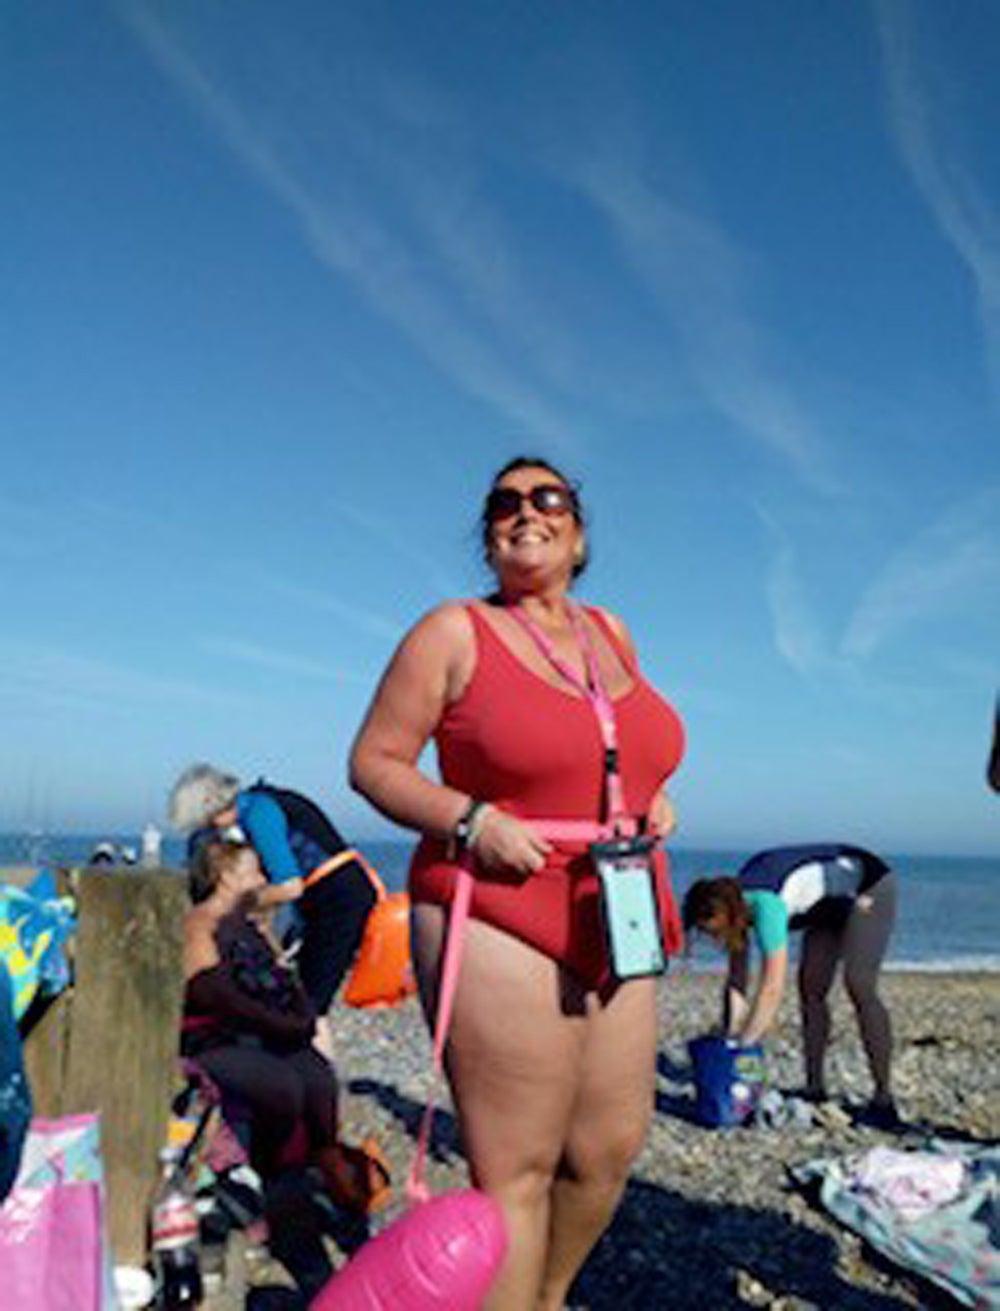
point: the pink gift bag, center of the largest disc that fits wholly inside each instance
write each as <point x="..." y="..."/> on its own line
<point x="53" y="1253"/>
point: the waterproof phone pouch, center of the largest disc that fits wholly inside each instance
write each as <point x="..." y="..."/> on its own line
<point x="628" y="901"/>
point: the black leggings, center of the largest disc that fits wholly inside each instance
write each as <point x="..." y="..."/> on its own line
<point x="279" y="1091"/>
<point x="334" y="912"/>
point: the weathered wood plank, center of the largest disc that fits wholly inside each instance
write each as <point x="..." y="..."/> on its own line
<point x="110" y="1044"/>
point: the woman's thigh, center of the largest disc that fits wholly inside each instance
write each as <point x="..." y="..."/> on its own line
<point x="265" y="1083"/>
<point x="869" y="928"/>
<point x="515" y="1049"/>
<point x="616" y="1081"/>
<point x="821" y="952"/>
<point x="319" y="1091"/>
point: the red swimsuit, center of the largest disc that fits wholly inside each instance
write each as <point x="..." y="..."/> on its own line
<point x="535" y="751"/>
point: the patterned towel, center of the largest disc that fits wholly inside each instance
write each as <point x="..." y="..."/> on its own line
<point x="35" y="926"/>
<point x="955" y="1244"/>
<point x="15" y="1096"/>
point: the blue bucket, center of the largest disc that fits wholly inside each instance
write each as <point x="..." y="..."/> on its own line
<point x="728" y="1079"/>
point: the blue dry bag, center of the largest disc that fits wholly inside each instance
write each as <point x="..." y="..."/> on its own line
<point x="728" y="1079"/>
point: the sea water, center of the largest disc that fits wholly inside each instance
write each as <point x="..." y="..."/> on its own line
<point x="949" y="906"/>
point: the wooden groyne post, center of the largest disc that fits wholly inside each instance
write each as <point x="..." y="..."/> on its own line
<point x="109" y="1043"/>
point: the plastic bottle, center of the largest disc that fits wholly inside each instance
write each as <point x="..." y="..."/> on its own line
<point x="174" y="1239"/>
<point x="152" y="846"/>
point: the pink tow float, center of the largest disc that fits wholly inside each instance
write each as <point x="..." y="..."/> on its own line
<point x="443" y="1255"/>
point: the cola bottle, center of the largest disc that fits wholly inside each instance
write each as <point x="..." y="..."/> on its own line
<point x="174" y="1240"/>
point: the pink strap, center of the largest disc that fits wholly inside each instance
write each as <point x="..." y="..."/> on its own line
<point x="594" y="691"/>
<point x="416" y="1183"/>
<point x="580" y="830"/>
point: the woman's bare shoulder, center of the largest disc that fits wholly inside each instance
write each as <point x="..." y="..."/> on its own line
<point x="200" y="924"/>
<point x="446" y="624"/>
<point x="438" y="653"/>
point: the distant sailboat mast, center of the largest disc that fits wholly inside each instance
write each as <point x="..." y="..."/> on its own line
<point x="35" y="843"/>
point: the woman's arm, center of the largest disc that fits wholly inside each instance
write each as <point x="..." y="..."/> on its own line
<point x="214" y="992"/>
<point x="265" y="825"/>
<point x="276" y="894"/>
<point x="734" y="996"/>
<point x="767" y="999"/>
<point x="429" y="670"/>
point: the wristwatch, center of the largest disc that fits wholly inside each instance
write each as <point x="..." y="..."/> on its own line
<point x="464" y="831"/>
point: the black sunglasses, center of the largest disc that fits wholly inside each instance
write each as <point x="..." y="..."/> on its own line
<point x="547" y="498"/>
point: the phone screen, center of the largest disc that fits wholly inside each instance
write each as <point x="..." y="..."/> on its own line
<point x="631" y="915"/>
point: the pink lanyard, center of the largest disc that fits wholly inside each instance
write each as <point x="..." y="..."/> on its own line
<point x="595" y="693"/>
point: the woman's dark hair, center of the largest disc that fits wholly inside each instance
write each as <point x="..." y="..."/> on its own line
<point x="209" y="862"/>
<point x="721" y="898"/>
<point x="537" y="462"/>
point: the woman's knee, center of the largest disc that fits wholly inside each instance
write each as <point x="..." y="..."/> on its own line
<point x="861" y="985"/>
<point x="814" y="995"/>
<point x="606" y="1154"/>
<point x="524" y="1189"/>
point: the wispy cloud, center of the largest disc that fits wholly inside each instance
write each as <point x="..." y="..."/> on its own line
<point x="280" y="662"/>
<point x="407" y="282"/>
<point x="46" y="673"/>
<point x="699" y="278"/>
<point x="798" y="634"/>
<point x="443" y="196"/>
<point x="165" y="528"/>
<point x="969" y="220"/>
<point x="177" y="539"/>
<point x="952" y="565"/>
<point x="386" y="534"/>
<point x="320" y="600"/>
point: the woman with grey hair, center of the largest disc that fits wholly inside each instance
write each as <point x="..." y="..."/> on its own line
<point x="306" y="861"/>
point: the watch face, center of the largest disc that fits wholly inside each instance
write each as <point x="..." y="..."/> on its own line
<point x="464" y="825"/>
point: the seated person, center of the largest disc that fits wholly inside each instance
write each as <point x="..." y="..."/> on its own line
<point x="307" y="863"/>
<point x="249" y="1025"/>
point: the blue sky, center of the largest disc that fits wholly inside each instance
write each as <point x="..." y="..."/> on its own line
<point x="284" y="284"/>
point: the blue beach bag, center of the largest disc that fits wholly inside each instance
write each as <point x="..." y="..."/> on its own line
<point x="728" y="1079"/>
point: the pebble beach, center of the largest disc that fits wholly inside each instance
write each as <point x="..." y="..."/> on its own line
<point x="710" y="1219"/>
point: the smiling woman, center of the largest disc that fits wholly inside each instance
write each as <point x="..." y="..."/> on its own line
<point x="553" y="752"/>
